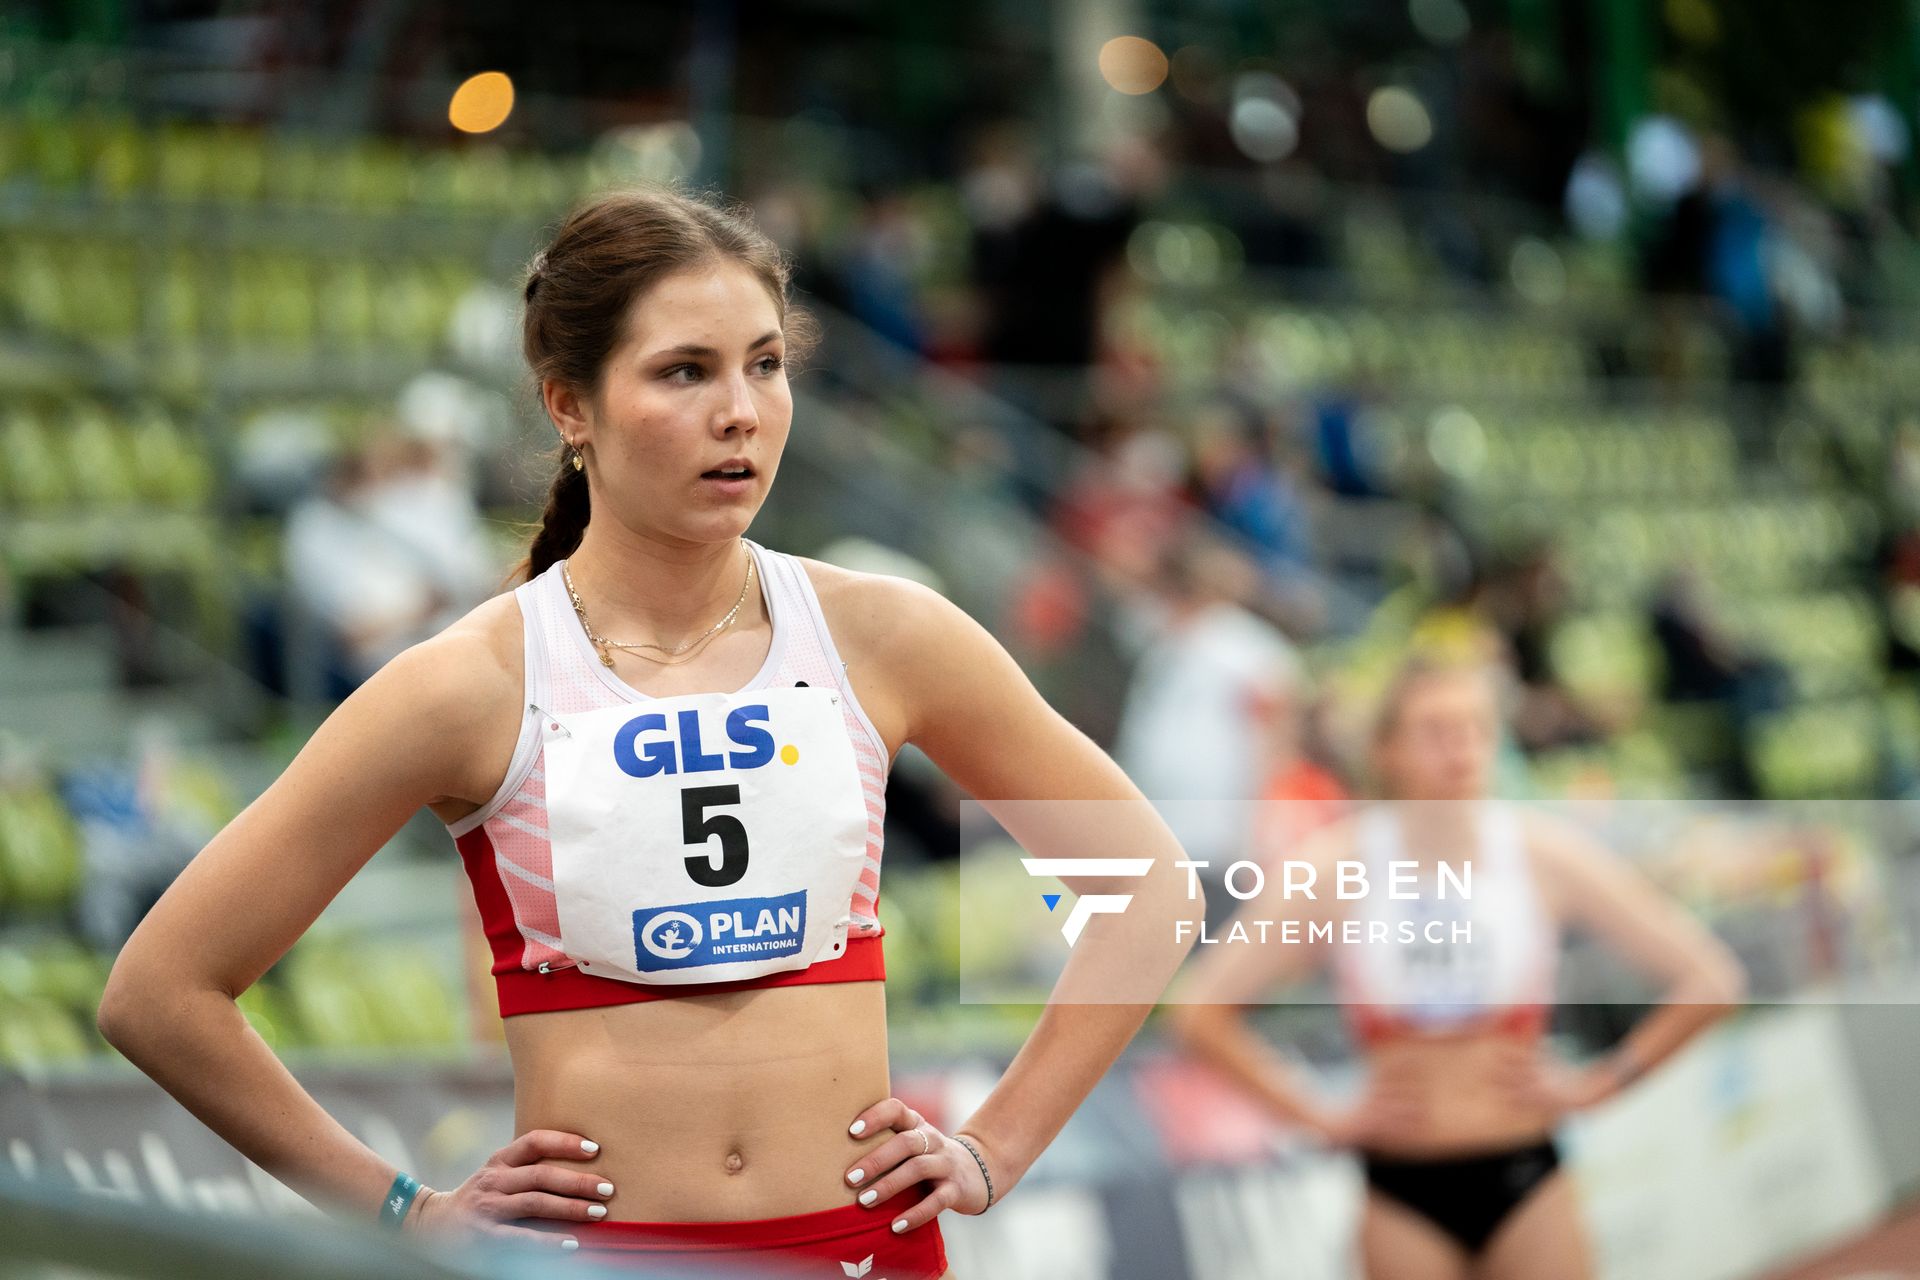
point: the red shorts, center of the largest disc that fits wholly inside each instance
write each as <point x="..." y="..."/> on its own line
<point x="853" y="1240"/>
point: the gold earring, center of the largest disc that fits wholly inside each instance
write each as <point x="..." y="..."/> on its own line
<point x="578" y="462"/>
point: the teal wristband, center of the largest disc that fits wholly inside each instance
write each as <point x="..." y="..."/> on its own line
<point x="393" y="1211"/>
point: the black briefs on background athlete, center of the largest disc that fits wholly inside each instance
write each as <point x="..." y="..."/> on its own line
<point x="1468" y="1197"/>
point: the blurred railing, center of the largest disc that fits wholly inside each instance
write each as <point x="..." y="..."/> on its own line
<point x="47" y="1230"/>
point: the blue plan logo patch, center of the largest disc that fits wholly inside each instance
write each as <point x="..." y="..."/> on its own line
<point x="719" y="932"/>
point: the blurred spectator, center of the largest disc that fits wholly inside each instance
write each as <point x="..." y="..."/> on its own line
<point x="1526" y="601"/>
<point x="373" y="578"/>
<point x="1244" y="491"/>
<point x="1341" y="446"/>
<point x="1196" y="731"/>
<point x="1298" y="792"/>
<point x="885" y="259"/>
<point x="135" y="834"/>
<point x="1126" y="502"/>
<point x="1703" y="664"/>
<point x="1042" y="265"/>
<point x="1717" y="241"/>
<point x="423" y="498"/>
<point x="1899" y="602"/>
<point x="1897" y="555"/>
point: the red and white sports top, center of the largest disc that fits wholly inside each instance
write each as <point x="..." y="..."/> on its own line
<point x="1423" y="981"/>
<point x="629" y="860"/>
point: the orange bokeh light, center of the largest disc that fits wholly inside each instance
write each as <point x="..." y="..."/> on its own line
<point x="1132" y="64"/>
<point x="482" y="102"/>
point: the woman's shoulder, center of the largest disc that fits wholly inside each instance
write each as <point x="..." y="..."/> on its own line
<point x="892" y="632"/>
<point x="486" y="642"/>
<point x="468" y="678"/>
<point x="462" y="675"/>
<point x="869" y="611"/>
<point x="1561" y="854"/>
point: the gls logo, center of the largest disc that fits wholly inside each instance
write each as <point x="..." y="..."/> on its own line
<point x="680" y="750"/>
<point x="1093" y="903"/>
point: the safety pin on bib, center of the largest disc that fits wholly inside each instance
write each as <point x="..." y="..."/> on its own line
<point x="553" y="725"/>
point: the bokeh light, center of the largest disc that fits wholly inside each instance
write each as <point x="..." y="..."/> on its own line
<point x="1263" y="130"/>
<point x="1398" y="119"/>
<point x="1596" y="197"/>
<point x="1184" y="253"/>
<point x="482" y="103"/>
<point x="1456" y="441"/>
<point x="1537" y="272"/>
<point x="1441" y="21"/>
<point x="1663" y="161"/>
<point x="1132" y="64"/>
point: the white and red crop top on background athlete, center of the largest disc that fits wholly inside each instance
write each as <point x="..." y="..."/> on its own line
<point x="642" y="848"/>
<point x="1502" y="980"/>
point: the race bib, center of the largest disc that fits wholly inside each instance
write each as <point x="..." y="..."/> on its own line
<point x="706" y="837"/>
<point x="1445" y="978"/>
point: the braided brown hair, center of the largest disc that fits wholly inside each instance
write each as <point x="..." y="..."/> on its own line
<point x="580" y="291"/>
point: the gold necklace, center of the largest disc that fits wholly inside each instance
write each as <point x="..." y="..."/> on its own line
<point x="602" y="644"/>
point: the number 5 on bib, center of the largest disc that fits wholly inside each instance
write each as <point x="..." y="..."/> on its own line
<point x="706" y="837"/>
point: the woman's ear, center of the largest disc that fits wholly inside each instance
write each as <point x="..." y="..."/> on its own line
<point x="568" y="410"/>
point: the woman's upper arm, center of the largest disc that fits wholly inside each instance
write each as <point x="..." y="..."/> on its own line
<point x="402" y="739"/>
<point x="1604" y="893"/>
<point x="1240" y="973"/>
<point x="970" y="707"/>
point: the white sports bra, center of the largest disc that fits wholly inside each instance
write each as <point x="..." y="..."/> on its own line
<point x="1424" y="976"/>
<point x="641" y="847"/>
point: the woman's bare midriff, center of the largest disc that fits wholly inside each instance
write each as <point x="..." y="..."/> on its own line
<point x="1454" y="1080"/>
<point x="711" y="1108"/>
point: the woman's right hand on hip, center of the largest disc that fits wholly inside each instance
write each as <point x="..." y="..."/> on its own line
<point x="513" y="1184"/>
<point x="1383" y="1114"/>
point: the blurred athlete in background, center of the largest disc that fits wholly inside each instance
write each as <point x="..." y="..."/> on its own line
<point x="1455" y="1128"/>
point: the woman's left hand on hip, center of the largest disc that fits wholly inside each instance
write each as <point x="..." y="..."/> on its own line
<point x="917" y="1152"/>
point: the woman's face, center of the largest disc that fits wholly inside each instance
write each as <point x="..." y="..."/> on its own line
<point x="698" y="384"/>
<point x="1442" y="743"/>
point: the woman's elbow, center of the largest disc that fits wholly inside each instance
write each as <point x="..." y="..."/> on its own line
<point x="1721" y="983"/>
<point x="1178" y="1019"/>
<point x="1194" y="1027"/>
<point x="118" y="1016"/>
<point x="129" y="1005"/>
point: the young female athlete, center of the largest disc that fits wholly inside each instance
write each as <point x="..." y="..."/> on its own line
<point x="663" y="760"/>
<point x="1455" y="1127"/>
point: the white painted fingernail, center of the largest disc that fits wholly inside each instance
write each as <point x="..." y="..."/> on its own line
<point x="569" y="1243"/>
<point x="605" y="1188"/>
<point x="589" y="1147"/>
<point x="899" y="1225"/>
<point x="596" y="1211"/>
<point x="869" y="1195"/>
<point x="856" y="1175"/>
<point x="857" y="1128"/>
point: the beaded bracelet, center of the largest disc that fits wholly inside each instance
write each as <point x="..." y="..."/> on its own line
<point x="975" y="1153"/>
<point x="393" y="1210"/>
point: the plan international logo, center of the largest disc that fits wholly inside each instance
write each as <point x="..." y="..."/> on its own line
<point x="692" y="934"/>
